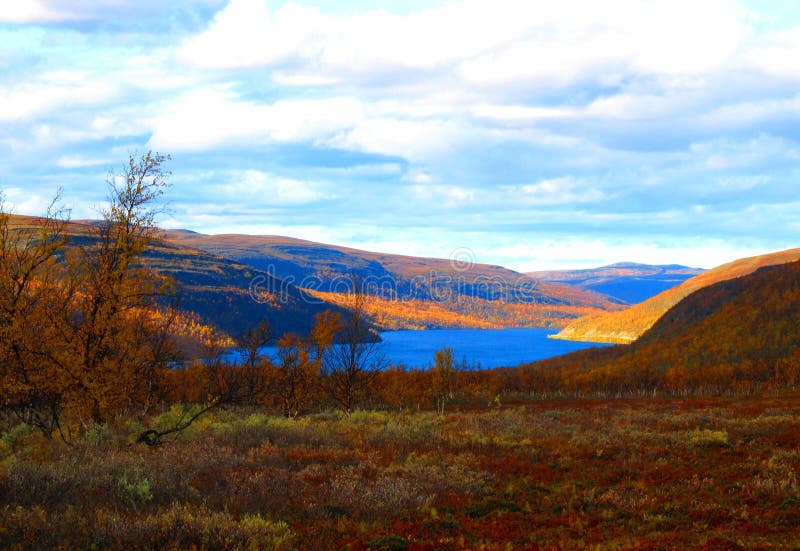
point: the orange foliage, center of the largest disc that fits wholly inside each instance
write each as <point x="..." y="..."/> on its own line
<point x="460" y="312"/>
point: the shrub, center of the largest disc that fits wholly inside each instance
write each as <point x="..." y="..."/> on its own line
<point x="391" y="542"/>
<point x="708" y="437"/>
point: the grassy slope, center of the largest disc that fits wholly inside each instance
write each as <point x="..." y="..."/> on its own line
<point x="738" y="331"/>
<point x="627" y="325"/>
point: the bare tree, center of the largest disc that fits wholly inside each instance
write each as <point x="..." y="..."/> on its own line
<point x="349" y="367"/>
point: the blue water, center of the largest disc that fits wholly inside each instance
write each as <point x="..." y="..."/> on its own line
<point x="480" y="347"/>
<point x="483" y="348"/>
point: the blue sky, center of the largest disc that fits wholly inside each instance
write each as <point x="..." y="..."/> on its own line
<point x="536" y="135"/>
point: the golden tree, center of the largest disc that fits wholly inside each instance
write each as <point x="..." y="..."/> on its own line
<point x="78" y="334"/>
<point x="114" y="346"/>
<point x="30" y="292"/>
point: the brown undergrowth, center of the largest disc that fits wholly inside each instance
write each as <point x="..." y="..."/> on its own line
<point x="716" y="473"/>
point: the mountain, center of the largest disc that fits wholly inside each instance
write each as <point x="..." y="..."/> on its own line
<point x="222" y="293"/>
<point x="628" y="281"/>
<point x="415" y="292"/>
<point x="740" y="334"/>
<point x="627" y="325"/>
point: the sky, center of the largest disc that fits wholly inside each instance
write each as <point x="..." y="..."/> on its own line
<point x="535" y="135"/>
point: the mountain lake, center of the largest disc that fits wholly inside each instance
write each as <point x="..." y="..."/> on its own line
<point x="479" y="348"/>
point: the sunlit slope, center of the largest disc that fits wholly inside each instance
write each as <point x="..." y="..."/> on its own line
<point x="739" y="334"/>
<point x="627" y="325"/>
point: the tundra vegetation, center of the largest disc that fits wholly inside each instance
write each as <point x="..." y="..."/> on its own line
<point x="111" y="438"/>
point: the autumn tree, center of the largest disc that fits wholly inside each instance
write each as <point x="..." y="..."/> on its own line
<point x="350" y="366"/>
<point x="300" y="360"/>
<point x="30" y="290"/>
<point x="295" y="374"/>
<point x="443" y="378"/>
<point x="78" y="334"/>
<point x="114" y="347"/>
<point x="234" y="378"/>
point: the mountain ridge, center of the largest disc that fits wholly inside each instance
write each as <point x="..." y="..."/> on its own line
<point x="229" y="296"/>
<point x="458" y="284"/>
<point x="631" y="282"/>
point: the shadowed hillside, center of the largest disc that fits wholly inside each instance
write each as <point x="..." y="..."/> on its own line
<point x="225" y="294"/>
<point x="738" y="334"/>
<point x="462" y="293"/>
<point x="627" y="325"/>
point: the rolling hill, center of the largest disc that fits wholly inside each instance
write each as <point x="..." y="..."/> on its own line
<point x="733" y="335"/>
<point x="627" y="325"/>
<point x="464" y="294"/>
<point x="224" y="294"/>
<point x="627" y="281"/>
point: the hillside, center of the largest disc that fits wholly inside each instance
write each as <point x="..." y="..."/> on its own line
<point x="627" y="325"/>
<point x="460" y="293"/>
<point x="627" y="281"/>
<point x="218" y="292"/>
<point x="740" y="334"/>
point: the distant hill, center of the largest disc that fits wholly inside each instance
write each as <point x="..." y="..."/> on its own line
<point x="627" y="325"/>
<point x="627" y="281"/>
<point x="225" y="294"/>
<point x="464" y="294"/>
<point x="737" y="334"/>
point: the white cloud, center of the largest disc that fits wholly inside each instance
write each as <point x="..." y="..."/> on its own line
<point x="22" y="201"/>
<point x="204" y="119"/>
<point x="51" y="92"/>
<point x="778" y="54"/>
<point x="447" y="196"/>
<point x="411" y="139"/>
<point x="256" y="189"/>
<point x="685" y="36"/>
<point x="28" y="11"/>
<point x="417" y="177"/>
<point x="522" y="114"/>
<point x="503" y="42"/>
<point x="74" y="161"/>
<point x="50" y="11"/>
<point x="751" y="113"/>
<point x="761" y="152"/>
<point x="643" y="105"/>
<point x="295" y="192"/>
<point x="742" y="183"/>
<point x="246" y="34"/>
<point x="557" y="191"/>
